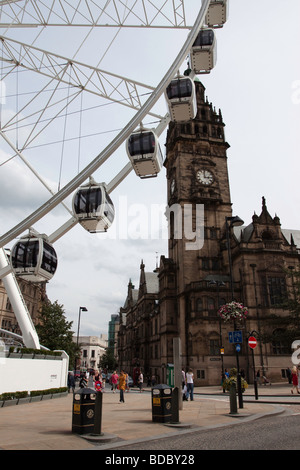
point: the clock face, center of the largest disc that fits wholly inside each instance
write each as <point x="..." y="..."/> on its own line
<point x="205" y="177"/>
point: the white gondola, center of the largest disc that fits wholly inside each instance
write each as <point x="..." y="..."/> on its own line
<point x="33" y="258"/>
<point x="181" y="98"/>
<point x="93" y="207"/>
<point x="204" y="51"/>
<point x="144" y="152"/>
<point x="217" y="13"/>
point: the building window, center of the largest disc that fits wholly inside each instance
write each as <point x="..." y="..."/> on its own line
<point x="276" y="290"/>
<point x="205" y="263"/>
<point x="199" y="305"/>
<point x="211" y="306"/>
<point x="214" y="347"/>
<point x="279" y="346"/>
<point x="201" y="374"/>
<point x="215" y="265"/>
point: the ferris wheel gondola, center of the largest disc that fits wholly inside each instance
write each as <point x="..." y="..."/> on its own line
<point x="93" y="207"/>
<point x="144" y="152"/>
<point x="33" y="258"/>
<point x="217" y="13"/>
<point x="203" y="53"/>
<point x="181" y="98"/>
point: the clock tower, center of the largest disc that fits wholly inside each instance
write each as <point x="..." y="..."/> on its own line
<point x="181" y="298"/>
<point x="198" y="184"/>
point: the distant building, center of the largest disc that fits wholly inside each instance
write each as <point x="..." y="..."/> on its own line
<point x="34" y="295"/>
<point x="91" y="350"/>
<point x="113" y="329"/>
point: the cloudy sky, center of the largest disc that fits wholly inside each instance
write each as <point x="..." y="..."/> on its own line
<point x="256" y="84"/>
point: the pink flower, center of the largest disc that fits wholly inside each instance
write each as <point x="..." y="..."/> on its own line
<point x="233" y="311"/>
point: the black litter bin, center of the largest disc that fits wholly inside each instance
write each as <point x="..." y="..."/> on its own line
<point x="83" y="417"/>
<point x="161" y="403"/>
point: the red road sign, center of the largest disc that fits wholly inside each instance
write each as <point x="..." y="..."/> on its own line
<point x="252" y="342"/>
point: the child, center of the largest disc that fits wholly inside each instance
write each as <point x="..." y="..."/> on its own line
<point x="98" y="386"/>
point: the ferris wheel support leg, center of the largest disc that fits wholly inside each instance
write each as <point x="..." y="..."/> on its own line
<point x="20" y="310"/>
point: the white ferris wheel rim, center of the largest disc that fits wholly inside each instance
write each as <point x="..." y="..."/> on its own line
<point x="73" y="184"/>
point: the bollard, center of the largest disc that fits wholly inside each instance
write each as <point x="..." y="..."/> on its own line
<point x="175" y="406"/>
<point x="232" y="398"/>
<point x="98" y="413"/>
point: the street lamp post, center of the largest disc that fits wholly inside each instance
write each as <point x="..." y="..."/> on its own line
<point x="231" y="222"/>
<point x="81" y="309"/>
<point x="217" y="283"/>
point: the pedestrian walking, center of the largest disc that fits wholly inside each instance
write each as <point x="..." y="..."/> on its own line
<point x="190" y="384"/>
<point x="71" y="381"/>
<point x="114" y="381"/>
<point x="83" y="381"/>
<point x="294" y="379"/>
<point x="127" y="381"/>
<point x="140" y="381"/>
<point x="258" y="379"/>
<point x="298" y="373"/>
<point x="97" y="376"/>
<point x="289" y="375"/>
<point x="122" y="385"/>
<point x="184" y="393"/>
<point x="266" y="380"/>
<point x="183" y="379"/>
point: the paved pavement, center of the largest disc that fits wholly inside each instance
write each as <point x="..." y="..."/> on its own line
<point x="47" y="425"/>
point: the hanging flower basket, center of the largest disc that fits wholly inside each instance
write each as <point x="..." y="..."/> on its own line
<point x="233" y="311"/>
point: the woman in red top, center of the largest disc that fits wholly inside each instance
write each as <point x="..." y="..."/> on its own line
<point x="114" y="381"/>
<point x="295" y="379"/>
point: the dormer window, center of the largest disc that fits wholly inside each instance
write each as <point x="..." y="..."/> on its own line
<point x="266" y="235"/>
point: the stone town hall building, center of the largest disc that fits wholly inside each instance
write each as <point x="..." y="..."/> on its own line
<point x="181" y="297"/>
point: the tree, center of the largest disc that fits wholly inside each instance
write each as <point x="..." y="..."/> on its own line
<point x="108" y="360"/>
<point x="54" y="330"/>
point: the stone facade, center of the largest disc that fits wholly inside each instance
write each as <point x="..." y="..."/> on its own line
<point x="34" y="295"/>
<point x="196" y="278"/>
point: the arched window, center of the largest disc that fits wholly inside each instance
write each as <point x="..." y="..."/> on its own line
<point x="199" y="305"/>
<point x="211" y="307"/>
<point x="279" y="343"/>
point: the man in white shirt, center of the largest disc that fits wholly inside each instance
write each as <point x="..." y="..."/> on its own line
<point x="190" y="384"/>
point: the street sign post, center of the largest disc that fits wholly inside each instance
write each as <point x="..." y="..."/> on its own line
<point x="252" y="342"/>
<point x="235" y="337"/>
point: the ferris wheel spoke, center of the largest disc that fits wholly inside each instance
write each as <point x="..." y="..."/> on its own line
<point x="91" y="79"/>
<point x="115" y="13"/>
<point x="39" y="177"/>
<point x="121" y="137"/>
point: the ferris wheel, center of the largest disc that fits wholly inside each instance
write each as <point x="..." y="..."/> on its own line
<point x="48" y="86"/>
